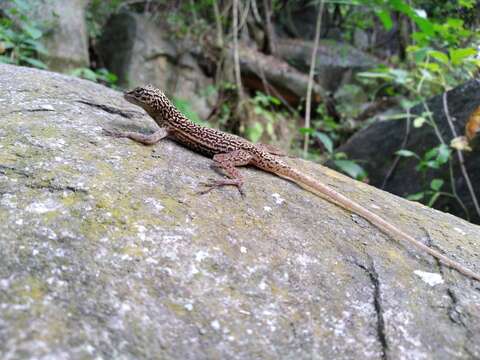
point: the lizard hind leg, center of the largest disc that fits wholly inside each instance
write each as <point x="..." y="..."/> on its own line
<point x="138" y="137"/>
<point x="227" y="162"/>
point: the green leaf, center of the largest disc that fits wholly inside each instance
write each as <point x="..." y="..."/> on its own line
<point x="34" y="62"/>
<point x="443" y="153"/>
<point x="33" y="32"/>
<point x="425" y="25"/>
<point x="458" y="55"/>
<point x="436" y="184"/>
<point x="274" y="100"/>
<point x="419" y="121"/>
<point x="385" y="18"/>
<point x="326" y="141"/>
<point x="406" y="153"/>
<point x="433" y="199"/>
<point x="89" y="74"/>
<point x="468" y="4"/>
<point x="305" y="130"/>
<point x="416" y="197"/>
<point x="439" y="56"/>
<point x="375" y="75"/>
<point x="254" y="132"/>
<point x="37" y="46"/>
<point x="6" y="60"/>
<point x="399" y="75"/>
<point x="351" y="168"/>
<point x="340" y="155"/>
<point x="186" y="108"/>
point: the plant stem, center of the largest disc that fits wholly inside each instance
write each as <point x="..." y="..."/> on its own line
<point x="461" y="159"/>
<point x="308" y="103"/>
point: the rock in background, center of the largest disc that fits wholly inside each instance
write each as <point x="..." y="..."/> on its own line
<point x="67" y="39"/>
<point x="335" y="64"/>
<point x="141" y="51"/>
<point x="375" y="147"/>
<point x="108" y="252"/>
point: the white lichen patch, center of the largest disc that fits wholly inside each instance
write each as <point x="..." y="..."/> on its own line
<point x="278" y="199"/>
<point x="56" y="143"/>
<point x="47" y="107"/>
<point x="201" y="255"/>
<point x="460" y="231"/>
<point x="305" y="260"/>
<point x="431" y="279"/>
<point x="41" y="207"/>
<point x="215" y="324"/>
<point x="154" y="203"/>
<point x="9" y="201"/>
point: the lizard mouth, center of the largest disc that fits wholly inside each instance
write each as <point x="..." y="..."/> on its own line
<point x="129" y="97"/>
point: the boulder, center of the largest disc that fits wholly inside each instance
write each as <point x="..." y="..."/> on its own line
<point x="375" y="146"/>
<point x="141" y="51"/>
<point x="335" y="64"/>
<point x="67" y="38"/>
<point x="109" y="252"/>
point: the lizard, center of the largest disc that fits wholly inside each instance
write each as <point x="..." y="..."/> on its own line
<point x="230" y="151"/>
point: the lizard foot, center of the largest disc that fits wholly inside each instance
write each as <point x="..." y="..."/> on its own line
<point x="215" y="184"/>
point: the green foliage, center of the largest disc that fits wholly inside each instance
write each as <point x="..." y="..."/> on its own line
<point x="186" y="108"/>
<point x="97" y="14"/>
<point x="20" y="35"/>
<point x="263" y="106"/>
<point x="442" y="54"/>
<point x="339" y="159"/>
<point x="432" y="159"/>
<point x="432" y="194"/>
<point x="102" y="76"/>
<point x="351" y="168"/>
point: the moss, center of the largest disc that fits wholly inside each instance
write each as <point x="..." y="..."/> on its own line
<point x="132" y="250"/>
<point x="71" y="199"/>
<point x="177" y="309"/>
<point x="29" y="288"/>
<point x="45" y="132"/>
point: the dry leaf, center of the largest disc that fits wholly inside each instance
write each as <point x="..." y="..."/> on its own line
<point x="460" y="143"/>
<point x="473" y="124"/>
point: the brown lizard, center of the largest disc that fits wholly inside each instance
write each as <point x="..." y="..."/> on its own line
<point x="230" y="151"/>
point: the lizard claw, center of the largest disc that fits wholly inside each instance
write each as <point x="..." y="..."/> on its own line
<point x="214" y="184"/>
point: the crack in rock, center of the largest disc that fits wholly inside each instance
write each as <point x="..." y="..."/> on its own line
<point x="56" y="188"/>
<point x="372" y="274"/>
<point x="128" y="114"/>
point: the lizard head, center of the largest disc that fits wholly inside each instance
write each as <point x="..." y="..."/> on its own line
<point x="147" y="97"/>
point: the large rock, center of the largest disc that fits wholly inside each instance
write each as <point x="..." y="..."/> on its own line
<point x="142" y="51"/>
<point x="108" y="252"/>
<point x="67" y="38"/>
<point x="375" y="147"/>
<point x="335" y="64"/>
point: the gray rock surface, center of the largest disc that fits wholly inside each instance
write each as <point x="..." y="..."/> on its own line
<point x="141" y="51"/>
<point x="335" y="64"/>
<point x="67" y="40"/>
<point x="107" y="252"/>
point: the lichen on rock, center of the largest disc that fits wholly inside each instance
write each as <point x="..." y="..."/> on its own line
<point x="109" y="252"/>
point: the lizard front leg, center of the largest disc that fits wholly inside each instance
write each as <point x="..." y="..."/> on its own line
<point x="138" y="137"/>
<point x="228" y="163"/>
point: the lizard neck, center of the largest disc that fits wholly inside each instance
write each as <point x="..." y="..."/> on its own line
<point x="169" y="116"/>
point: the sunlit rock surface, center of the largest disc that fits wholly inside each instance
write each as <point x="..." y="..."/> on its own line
<point x="108" y="252"/>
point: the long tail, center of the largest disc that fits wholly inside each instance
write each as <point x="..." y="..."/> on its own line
<point x="332" y="195"/>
